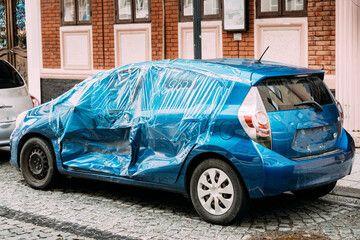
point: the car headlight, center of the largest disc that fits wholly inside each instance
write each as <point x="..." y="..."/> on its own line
<point x="20" y="118"/>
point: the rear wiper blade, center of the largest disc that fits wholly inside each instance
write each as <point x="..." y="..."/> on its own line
<point x="311" y="103"/>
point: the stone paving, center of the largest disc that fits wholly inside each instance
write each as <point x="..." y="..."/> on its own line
<point x="84" y="209"/>
<point x="353" y="180"/>
<point x="14" y="229"/>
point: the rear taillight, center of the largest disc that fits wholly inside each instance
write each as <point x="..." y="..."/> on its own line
<point x="341" y="112"/>
<point x="254" y="119"/>
<point x="35" y="102"/>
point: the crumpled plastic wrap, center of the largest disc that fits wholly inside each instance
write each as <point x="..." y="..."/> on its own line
<point x="141" y="120"/>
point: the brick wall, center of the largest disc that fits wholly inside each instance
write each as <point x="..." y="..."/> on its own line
<point x="171" y="29"/>
<point x="156" y="29"/>
<point x="98" y="34"/>
<point x="109" y="50"/>
<point x="50" y="23"/>
<point x="321" y="32"/>
<point x="321" y="27"/>
<point x="245" y="47"/>
<point x="102" y="30"/>
<point x="103" y="34"/>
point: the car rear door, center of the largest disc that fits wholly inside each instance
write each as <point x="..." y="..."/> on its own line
<point x="179" y="107"/>
<point x="303" y="116"/>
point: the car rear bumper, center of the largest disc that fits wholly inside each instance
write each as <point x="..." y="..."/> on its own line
<point x="5" y="132"/>
<point x="282" y="174"/>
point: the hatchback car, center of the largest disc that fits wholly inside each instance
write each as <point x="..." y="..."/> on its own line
<point x="14" y="99"/>
<point x="221" y="131"/>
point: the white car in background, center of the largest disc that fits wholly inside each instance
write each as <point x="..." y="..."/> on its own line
<point x="14" y="99"/>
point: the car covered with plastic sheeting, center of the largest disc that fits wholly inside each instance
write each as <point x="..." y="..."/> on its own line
<point x="221" y="131"/>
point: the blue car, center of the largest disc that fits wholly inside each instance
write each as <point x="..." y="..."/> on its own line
<point x="221" y="131"/>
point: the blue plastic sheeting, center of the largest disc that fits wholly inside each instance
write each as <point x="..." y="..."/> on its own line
<point x="141" y="120"/>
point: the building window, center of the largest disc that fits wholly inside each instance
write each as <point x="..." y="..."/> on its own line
<point x="281" y="8"/>
<point x="210" y="10"/>
<point x="130" y="11"/>
<point x="75" y="12"/>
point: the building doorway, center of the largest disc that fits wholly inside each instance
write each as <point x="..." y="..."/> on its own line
<point x="13" y="34"/>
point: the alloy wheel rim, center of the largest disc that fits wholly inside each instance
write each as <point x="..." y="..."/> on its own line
<point x="38" y="164"/>
<point x="215" y="191"/>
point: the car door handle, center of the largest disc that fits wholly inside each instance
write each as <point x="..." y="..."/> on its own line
<point x="127" y="116"/>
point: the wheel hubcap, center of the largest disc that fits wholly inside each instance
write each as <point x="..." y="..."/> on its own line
<point x="38" y="164"/>
<point x="215" y="191"/>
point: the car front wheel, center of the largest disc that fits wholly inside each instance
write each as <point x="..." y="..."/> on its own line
<point x="37" y="163"/>
<point x="217" y="193"/>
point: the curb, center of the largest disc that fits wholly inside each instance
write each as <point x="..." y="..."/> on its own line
<point x="346" y="192"/>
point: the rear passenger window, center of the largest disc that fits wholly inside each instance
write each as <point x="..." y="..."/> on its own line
<point x="9" y="78"/>
<point x="177" y="88"/>
<point x="283" y="93"/>
<point x="188" y="92"/>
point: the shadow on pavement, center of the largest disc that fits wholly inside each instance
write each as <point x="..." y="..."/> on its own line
<point x="159" y="200"/>
<point x="4" y="155"/>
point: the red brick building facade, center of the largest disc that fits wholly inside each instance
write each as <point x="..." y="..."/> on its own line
<point x="321" y="27"/>
<point x="315" y="30"/>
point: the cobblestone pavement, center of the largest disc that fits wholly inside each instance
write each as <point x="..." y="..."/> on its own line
<point x="84" y="209"/>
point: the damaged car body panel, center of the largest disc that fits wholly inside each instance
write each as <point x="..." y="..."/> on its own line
<point x="138" y="122"/>
<point x="150" y="124"/>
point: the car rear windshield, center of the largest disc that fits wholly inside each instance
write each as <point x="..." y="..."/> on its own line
<point x="9" y="78"/>
<point x="285" y="93"/>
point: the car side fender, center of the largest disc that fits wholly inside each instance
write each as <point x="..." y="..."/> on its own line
<point x="242" y="156"/>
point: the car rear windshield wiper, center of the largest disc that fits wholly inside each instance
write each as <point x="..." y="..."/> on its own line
<point x="311" y="103"/>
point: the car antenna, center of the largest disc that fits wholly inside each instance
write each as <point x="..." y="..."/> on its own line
<point x="259" y="61"/>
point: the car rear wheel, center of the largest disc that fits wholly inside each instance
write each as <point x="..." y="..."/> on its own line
<point x="37" y="163"/>
<point x="217" y="193"/>
<point x="315" y="192"/>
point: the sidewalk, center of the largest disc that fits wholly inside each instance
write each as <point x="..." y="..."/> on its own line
<point x="350" y="185"/>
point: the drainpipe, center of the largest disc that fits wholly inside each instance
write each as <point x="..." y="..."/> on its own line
<point x="197" y="29"/>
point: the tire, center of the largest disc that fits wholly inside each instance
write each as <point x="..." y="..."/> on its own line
<point x="37" y="163"/>
<point x="314" y="192"/>
<point x="228" y="198"/>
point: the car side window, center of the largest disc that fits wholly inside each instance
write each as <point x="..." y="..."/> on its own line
<point x="174" y="89"/>
<point x="186" y="91"/>
<point x="111" y="97"/>
<point x="9" y="77"/>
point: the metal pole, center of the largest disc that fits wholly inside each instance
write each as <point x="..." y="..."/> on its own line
<point x="197" y="28"/>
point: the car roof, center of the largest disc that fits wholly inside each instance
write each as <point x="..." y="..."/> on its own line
<point x="264" y="69"/>
<point x="246" y="71"/>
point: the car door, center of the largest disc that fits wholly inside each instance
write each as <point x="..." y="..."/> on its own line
<point x="96" y="132"/>
<point x="179" y="105"/>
